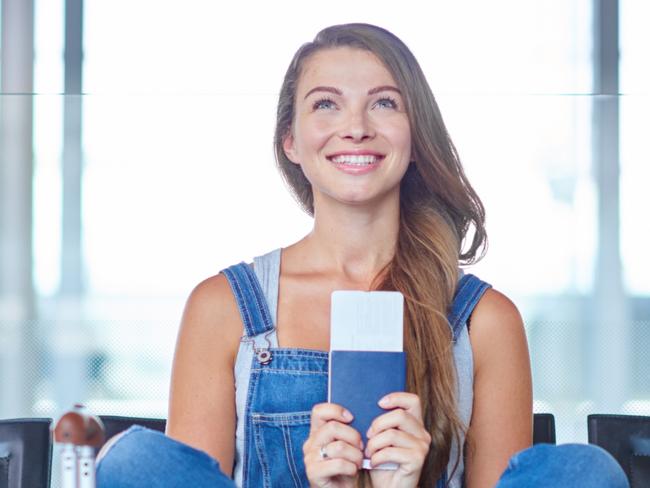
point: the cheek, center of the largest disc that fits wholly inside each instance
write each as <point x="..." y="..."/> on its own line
<point x="312" y="137"/>
<point x="400" y="135"/>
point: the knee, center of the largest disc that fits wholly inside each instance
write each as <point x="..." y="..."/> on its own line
<point x="141" y="457"/>
<point x="597" y="464"/>
<point x="108" y="445"/>
<point x="576" y="465"/>
<point x="124" y="455"/>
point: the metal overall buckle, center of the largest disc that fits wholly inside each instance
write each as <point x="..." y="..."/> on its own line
<point x="263" y="354"/>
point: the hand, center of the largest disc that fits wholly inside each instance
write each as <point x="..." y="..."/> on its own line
<point x="398" y="436"/>
<point x="332" y="452"/>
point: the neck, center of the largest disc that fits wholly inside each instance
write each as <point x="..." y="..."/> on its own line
<point x="353" y="243"/>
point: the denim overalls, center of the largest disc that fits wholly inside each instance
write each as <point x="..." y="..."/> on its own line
<point x="275" y="395"/>
<point x="277" y="387"/>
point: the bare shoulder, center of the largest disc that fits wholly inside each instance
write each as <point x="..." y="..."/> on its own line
<point x="496" y="328"/>
<point x="495" y="308"/>
<point x="210" y="331"/>
<point x="211" y="309"/>
<point x="495" y="317"/>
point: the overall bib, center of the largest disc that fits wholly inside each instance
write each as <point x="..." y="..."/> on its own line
<point x="277" y="387"/>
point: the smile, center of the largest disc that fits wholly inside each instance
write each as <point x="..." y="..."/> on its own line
<point x="356" y="164"/>
<point x="355" y="160"/>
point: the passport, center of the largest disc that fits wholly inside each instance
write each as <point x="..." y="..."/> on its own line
<point x="359" y="379"/>
<point x="367" y="360"/>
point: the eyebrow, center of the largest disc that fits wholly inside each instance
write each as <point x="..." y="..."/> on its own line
<point x="336" y="91"/>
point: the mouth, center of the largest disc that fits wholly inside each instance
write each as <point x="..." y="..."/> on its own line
<point x="355" y="160"/>
<point x="356" y="164"/>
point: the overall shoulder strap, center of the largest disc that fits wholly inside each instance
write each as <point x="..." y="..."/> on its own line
<point x="250" y="299"/>
<point x="267" y="270"/>
<point x="469" y="291"/>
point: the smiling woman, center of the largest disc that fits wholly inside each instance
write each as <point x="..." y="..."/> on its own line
<point x="349" y="118"/>
<point x="398" y="227"/>
<point x="362" y="145"/>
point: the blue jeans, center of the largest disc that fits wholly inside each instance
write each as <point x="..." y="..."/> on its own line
<point x="143" y="458"/>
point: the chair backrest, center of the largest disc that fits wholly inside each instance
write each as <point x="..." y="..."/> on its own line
<point x="25" y="453"/>
<point x="543" y="428"/>
<point x="627" y="438"/>
<point x="114" y="424"/>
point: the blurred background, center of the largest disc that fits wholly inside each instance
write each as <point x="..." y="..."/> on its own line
<point x="136" y="160"/>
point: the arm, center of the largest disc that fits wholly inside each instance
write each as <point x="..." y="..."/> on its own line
<point x="202" y="397"/>
<point x="502" y="420"/>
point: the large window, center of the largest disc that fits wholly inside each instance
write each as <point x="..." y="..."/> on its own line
<point x="635" y="103"/>
<point x="635" y="233"/>
<point x="179" y="180"/>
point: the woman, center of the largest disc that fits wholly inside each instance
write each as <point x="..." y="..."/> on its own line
<point x="362" y="145"/>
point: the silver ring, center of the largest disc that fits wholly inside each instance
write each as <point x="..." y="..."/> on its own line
<point x="323" y="453"/>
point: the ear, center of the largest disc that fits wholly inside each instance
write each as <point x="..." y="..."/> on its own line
<point x="289" y="148"/>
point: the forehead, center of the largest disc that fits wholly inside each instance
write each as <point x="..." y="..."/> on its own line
<point x="344" y="67"/>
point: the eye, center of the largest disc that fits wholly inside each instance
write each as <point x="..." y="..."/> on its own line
<point x="323" y="103"/>
<point x="386" y="102"/>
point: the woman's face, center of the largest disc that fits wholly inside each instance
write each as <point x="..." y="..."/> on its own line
<point x="350" y="132"/>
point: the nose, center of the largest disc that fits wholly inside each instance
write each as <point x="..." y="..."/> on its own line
<point x="357" y="127"/>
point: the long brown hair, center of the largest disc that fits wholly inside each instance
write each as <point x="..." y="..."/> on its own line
<point x="438" y="207"/>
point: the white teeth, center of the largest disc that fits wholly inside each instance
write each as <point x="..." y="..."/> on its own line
<point x="355" y="160"/>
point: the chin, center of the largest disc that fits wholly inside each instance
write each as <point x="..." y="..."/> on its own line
<point x="365" y="200"/>
<point x="359" y="197"/>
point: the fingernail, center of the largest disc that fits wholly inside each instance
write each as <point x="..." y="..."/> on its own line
<point x="384" y="402"/>
<point x="369" y="433"/>
<point x="347" y="415"/>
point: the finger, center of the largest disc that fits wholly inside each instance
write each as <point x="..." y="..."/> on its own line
<point x="401" y="399"/>
<point x="341" y="450"/>
<point x="342" y="460"/>
<point x="323" y="472"/>
<point x="322" y="413"/>
<point x="396" y="438"/>
<point x="330" y="432"/>
<point x="397" y="419"/>
<point x="407" y="459"/>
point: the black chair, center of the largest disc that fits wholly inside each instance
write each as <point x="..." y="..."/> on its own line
<point x="25" y="453"/>
<point x="114" y="424"/>
<point x="627" y="438"/>
<point x="543" y="428"/>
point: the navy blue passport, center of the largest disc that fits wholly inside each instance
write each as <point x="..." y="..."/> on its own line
<point x="359" y="379"/>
